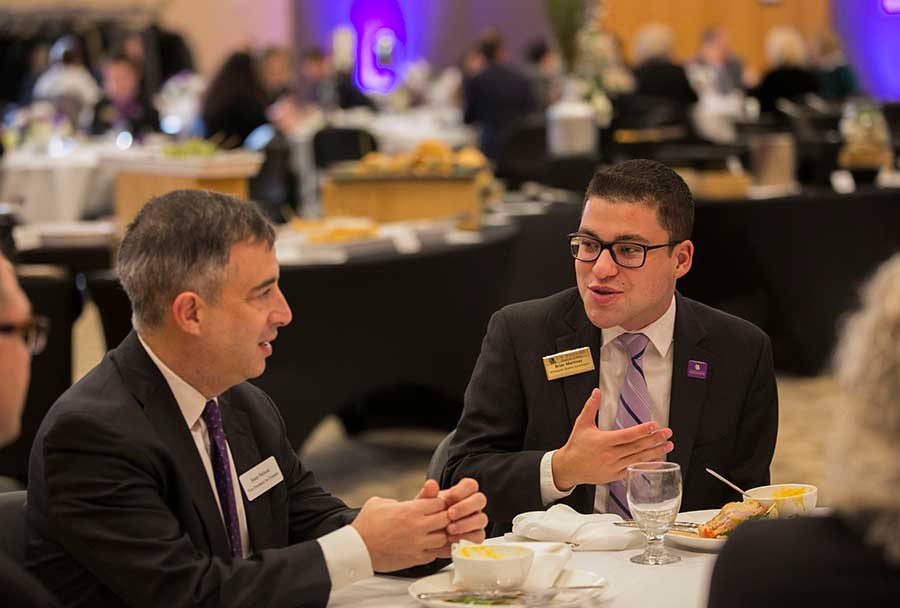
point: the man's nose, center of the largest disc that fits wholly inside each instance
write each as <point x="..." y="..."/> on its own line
<point x="604" y="266"/>
<point x="282" y="315"/>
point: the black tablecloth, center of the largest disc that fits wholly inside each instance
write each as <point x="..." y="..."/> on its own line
<point x="369" y="326"/>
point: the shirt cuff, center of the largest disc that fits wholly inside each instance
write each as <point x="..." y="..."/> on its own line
<point x="549" y="492"/>
<point x="346" y="557"/>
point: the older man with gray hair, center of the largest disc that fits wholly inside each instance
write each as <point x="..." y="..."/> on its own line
<point x="164" y="479"/>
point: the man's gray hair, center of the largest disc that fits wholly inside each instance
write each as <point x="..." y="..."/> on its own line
<point x="864" y="462"/>
<point x="179" y="242"/>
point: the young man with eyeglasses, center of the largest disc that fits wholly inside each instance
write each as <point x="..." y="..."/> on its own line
<point x="646" y="373"/>
<point x="21" y="335"/>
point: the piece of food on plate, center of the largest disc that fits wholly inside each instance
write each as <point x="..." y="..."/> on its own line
<point x="734" y="514"/>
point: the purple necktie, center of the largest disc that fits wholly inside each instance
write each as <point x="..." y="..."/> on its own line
<point x="218" y="452"/>
<point x="634" y="408"/>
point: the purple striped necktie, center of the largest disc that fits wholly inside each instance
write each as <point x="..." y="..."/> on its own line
<point x="634" y="408"/>
<point x="218" y="452"/>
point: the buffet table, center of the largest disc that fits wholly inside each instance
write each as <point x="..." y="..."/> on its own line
<point x="681" y="585"/>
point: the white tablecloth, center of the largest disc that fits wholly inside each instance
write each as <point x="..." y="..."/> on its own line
<point x="681" y="585"/>
<point x="61" y="187"/>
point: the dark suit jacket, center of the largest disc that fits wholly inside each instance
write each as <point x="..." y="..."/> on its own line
<point x="120" y="511"/>
<point x="513" y="415"/>
<point x="806" y="561"/>
<point x="496" y="99"/>
<point x="19" y="589"/>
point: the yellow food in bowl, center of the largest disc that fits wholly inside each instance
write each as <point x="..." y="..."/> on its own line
<point x="788" y="492"/>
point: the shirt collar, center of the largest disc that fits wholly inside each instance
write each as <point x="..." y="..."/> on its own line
<point x="190" y="401"/>
<point x="660" y="332"/>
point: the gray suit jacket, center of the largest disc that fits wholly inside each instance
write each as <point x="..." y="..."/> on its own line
<point x="513" y="415"/>
<point x="120" y="510"/>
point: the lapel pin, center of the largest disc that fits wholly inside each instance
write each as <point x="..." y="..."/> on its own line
<point x="697" y="369"/>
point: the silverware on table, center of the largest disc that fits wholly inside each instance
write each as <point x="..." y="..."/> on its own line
<point x="507" y="594"/>
<point x="678" y="525"/>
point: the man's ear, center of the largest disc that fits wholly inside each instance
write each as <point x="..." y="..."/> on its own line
<point x="684" y="257"/>
<point x="188" y="309"/>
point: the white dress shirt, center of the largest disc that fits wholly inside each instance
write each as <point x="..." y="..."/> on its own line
<point x="657" y="365"/>
<point x="346" y="556"/>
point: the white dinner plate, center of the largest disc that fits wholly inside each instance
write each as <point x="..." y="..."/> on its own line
<point x="687" y="540"/>
<point x="443" y="581"/>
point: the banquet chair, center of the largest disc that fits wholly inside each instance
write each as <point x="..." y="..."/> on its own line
<point x="333" y="144"/>
<point x="439" y="458"/>
<point x="523" y="153"/>
<point x="12" y="525"/>
<point x="53" y="294"/>
<point x="115" y="310"/>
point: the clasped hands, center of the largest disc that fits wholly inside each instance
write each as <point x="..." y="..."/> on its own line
<point x="410" y="533"/>
<point x="592" y="456"/>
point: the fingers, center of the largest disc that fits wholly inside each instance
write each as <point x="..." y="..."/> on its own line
<point x="636" y="432"/>
<point x="430" y="489"/>
<point x="588" y="415"/>
<point x="473" y="504"/>
<point x="435" y="521"/>
<point x="426" y="506"/>
<point x="472" y="524"/>
<point x="465" y="488"/>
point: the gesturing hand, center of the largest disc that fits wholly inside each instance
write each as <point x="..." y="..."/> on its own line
<point x="592" y="456"/>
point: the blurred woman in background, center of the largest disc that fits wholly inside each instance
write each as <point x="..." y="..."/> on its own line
<point x="789" y="76"/>
<point x="235" y="101"/>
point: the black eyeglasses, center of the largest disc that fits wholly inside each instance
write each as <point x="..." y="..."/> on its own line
<point x="627" y="255"/>
<point x="33" y="331"/>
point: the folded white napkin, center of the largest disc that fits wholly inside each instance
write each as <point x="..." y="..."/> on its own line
<point x="562" y="523"/>
<point x="549" y="561"/>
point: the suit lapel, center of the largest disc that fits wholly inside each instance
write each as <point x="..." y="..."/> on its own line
<point x="578" y="332"/>
<point x="246" y="456"/>
<point x="688" y="394"/>
<point x="150" y="388"/>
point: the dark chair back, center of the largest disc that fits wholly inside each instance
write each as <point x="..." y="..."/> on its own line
<point x="275" y="186"/>
<point x="53" y="293"/>
<point x="12" y="525"/>
<point x="439" y="458"/>
<point x="522" y="155"/>
<point x="115" y="309"/>
<point x="332" y="145"/>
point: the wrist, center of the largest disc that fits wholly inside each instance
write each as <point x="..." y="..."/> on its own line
<point x="559" y="468"/>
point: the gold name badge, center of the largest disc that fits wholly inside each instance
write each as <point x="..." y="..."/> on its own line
<point x="568" y="363"/>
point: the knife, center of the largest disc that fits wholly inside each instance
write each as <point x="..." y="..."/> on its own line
<point x="687" y="525"/>
<point x="506" y="594"/>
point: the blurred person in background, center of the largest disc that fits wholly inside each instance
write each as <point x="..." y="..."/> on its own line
<point x="720" y="65"/>
<point x="235" y="101"/>
<point x="123" y="107"/>
<point x="497" y="97"/>
<point x="330" y="88"/>
<point x="655" y="73"/>
<point x="852" y="556"/>
<point x="788" y="76"/>
<point x="545" y="72"/>
<point x="20" y="337"/>
<point x="837" y="80"/>
<point x="276" y="67"/>
<point x="67" y="83"/>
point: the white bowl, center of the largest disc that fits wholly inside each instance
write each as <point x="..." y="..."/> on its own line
<point x="491" y="566"/>
<point x="783" y="496"/>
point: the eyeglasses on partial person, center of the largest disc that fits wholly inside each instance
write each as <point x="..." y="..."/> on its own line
<point x="626" y="254"/>
<point x="33" y="331"/>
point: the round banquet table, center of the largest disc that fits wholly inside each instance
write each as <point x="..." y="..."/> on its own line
<point x="681" y="585"/>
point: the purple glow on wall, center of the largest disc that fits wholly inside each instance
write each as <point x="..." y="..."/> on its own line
<point x="870" y="31"/>
<point x="891" y="6"/>
<point x="381" y="52"/>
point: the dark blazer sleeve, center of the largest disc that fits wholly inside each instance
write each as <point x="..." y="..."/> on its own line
<point x="758" y="424"/>
<point x="489" y="440"/>
<point x="107" y="509"/>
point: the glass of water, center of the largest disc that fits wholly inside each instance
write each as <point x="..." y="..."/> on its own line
<point x="654" y="498"/>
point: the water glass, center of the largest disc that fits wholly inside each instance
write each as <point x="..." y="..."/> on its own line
<point x="654" y="499"/>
